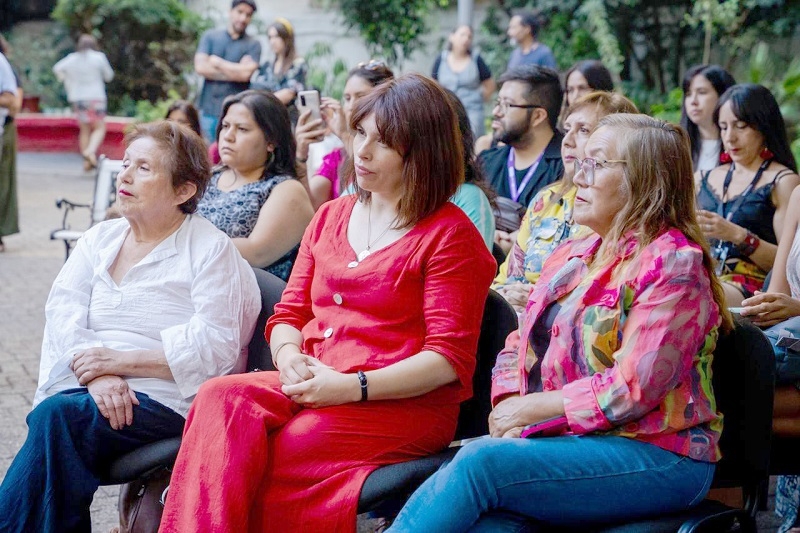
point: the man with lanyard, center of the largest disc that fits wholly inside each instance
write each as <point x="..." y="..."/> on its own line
<point x="8" y="92"/>
<point x="225" y="58"/>
<point x="523" y="30"/>
<point x="525" y="116"/>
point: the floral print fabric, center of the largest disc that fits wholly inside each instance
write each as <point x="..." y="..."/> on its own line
<point x="547" y="223"/>
<point x="631" y="348"/>
<point x="236" y="212"/>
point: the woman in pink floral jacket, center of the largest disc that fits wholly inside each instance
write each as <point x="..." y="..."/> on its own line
<point x="616" y="356"/>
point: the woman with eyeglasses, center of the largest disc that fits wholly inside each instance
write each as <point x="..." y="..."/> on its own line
<point x="326" y="184"/>
<point x="548" y="221"/>
<point x="374" y="339"/>
<point x="702" y="87"/>
<point x="613" y="360"/>
<point x="463" y="71"/>
<point x="743" y="202"/>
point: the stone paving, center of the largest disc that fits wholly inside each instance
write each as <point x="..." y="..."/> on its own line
<point x="27" y="269"/>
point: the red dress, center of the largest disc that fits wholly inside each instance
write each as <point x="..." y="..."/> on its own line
<point x="253" y="460"/>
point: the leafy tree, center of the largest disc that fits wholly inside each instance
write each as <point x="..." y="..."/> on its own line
<point x="392" y="29"/>
<point x="150" y="44"/>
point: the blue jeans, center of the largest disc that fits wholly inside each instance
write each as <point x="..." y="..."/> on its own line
<point x="208" y="123"/>
<point x="70" y="446"/>
<point x="501" y="484"/>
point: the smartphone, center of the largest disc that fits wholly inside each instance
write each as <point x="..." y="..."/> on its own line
<point x="737" y="312"/>
<point x="309" y="100"/>
<point x="546" y="428"/>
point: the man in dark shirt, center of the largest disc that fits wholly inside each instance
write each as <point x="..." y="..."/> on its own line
<point x="525" y="118"/>
<point x="523" y="31"/>
<point x="225" y="58"/>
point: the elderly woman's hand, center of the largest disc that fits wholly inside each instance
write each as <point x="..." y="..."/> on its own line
<point x="95" y="362"/>
<point x="516" y="294"/>
<point x="328" y="387"/>
<point x="509" y="414"/>
<point x="515" y="412"/>
<point x="114" y="399"/>
<point x="766" y="309"/>
<point x="716" y="227"/>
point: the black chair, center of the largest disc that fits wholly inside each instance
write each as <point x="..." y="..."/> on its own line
<point x="387" y="488"/>
<point x="498" y="254"/>
<point x="161" y="454"/>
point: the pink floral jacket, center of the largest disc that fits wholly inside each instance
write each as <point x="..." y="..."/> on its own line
<point x="631" y="350"/>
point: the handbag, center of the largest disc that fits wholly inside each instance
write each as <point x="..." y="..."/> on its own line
<point x="785" y="340"/>
<point x="508" y="214"/>
<point x="141" y="502"/>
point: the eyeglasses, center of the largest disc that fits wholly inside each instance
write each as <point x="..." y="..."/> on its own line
<point x="589" y="164"/>
<point x="372" y="64"/>
<point x="503" y="105"/>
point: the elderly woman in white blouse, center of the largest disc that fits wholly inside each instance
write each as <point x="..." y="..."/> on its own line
<point x="145" y="310"/>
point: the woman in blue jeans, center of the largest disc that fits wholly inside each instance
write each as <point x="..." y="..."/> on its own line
<point x="615" y="352"/>
<point x="147" y="308"/>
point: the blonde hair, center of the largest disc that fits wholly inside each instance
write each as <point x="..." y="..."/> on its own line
<point x="604" y="104"/>
<point x="659" y="182"/>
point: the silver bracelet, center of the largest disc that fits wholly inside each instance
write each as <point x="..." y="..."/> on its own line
<point x="278" y="349"/>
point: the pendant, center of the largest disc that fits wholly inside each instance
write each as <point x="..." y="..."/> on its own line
<point x="352" y="264"/>
<point x="363" y="255"/>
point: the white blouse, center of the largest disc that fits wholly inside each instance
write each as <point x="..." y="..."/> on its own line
<point x="709" y="154"/>
<point x="193" y="297"/>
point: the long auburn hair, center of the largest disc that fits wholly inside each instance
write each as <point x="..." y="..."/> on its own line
<point x="426" y="136"/>
<point x="659" y="181"/>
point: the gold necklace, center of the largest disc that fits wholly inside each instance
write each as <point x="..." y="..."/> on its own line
<point x="368" y="250"/>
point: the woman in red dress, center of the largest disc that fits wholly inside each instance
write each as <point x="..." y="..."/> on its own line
<point x="374" y="339"/>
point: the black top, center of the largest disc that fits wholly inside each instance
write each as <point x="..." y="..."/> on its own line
<point x="540" y="341"/>
<point x="755" y="213"/>
<point x="550" y="170"/>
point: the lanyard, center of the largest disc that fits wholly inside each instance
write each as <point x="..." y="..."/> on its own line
<point x="516" y="192"/>
<point x="721" y="207"/>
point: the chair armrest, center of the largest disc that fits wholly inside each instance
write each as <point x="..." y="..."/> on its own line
<point x="142" y="460"/>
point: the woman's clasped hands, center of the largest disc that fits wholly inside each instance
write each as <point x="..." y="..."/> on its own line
<point x="310" y="383"/>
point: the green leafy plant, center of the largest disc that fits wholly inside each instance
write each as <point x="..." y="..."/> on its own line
<point x="392" y="29"/>
<point x="326" y="73"/>
<point x="670" y="110"/>
<point x="35" y="49"/>
<point x="147" y="111"/>
<point x="150" y="44"/>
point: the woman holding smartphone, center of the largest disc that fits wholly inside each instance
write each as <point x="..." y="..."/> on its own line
<point x="326" y="184"/>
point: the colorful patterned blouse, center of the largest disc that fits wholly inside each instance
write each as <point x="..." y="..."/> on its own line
<point x="632" y="352"/>
<point x="547" y="223"/>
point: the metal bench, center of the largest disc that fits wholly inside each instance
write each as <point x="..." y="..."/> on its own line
<point x="105" y="192"/>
